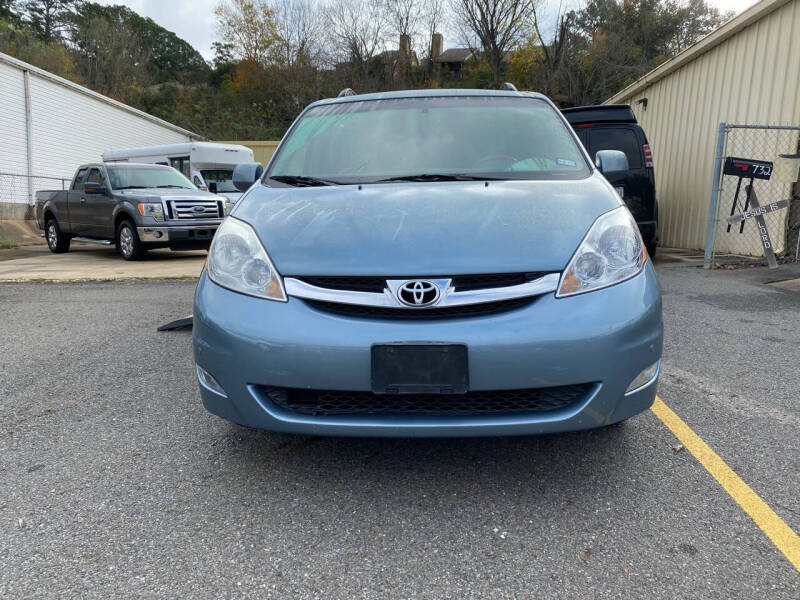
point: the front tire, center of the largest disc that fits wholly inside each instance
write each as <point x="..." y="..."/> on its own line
<point x="651" y="248"/>
<point x="129" y="245"/>
<point x="57" y="242"/>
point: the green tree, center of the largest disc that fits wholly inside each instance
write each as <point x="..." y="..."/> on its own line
<point x="48" y="18"/>
<point x="109" y="56"/>
<point x="594" y="52"/>
<point x="223" y="54"/>
<point x="156" y="55"/>
<point x="21" y="42"/>
<point x="8" y="11"/>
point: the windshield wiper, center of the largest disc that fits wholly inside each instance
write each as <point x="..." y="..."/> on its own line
<point x="172" y="185"/>
<point x="439" y="177"/>
<point x="131" y="187"/>
<point x="303" y="180"/>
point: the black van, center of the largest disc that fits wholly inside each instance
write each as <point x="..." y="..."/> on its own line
<point x="614" y="127"/>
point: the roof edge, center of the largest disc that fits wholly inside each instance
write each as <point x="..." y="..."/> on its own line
<point x="19" y="64"/>
<point x="728" y="29"/>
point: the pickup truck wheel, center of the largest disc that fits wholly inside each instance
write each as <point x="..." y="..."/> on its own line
<point x="129" y="245"/>
<point x="56" y="240"/>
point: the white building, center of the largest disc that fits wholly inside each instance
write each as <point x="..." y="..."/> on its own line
<point x="48" y="126"/>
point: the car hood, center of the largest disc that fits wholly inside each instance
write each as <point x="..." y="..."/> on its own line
<point x="425" y="229"/>
<point x="167" y="194"/>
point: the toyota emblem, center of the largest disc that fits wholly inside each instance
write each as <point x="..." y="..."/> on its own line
<point x="418" y="293"/>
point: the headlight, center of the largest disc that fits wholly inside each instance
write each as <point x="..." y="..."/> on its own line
<point x="152" y="209"/>
<point x="238" y="261"/>
<point x="227" y="207"/>
<point x="611" y="252"/>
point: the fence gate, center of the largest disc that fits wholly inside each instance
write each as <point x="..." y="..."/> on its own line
<point x="754" y="213"/>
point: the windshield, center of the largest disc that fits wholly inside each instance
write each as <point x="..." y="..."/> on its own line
<point x="222" y="177"/>
<point x="497" y="137"/>
<point x="128" y="177"/>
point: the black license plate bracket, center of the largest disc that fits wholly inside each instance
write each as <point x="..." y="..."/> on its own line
<point x="420" y="368"/>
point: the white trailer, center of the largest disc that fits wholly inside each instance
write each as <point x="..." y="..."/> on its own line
<point x="208" y="165"/>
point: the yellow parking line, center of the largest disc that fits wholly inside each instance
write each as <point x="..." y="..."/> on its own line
<point x="786" y="540"/>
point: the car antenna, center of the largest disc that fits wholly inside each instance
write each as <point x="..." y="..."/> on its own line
<point x="346" y="92"/>
<point x="509" y="87"/>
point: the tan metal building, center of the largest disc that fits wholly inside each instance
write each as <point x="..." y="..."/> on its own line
<point x="745" y="72"/>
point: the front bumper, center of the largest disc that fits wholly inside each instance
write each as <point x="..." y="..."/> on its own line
<point x="605" y="337"/>
<point x="177" y="234"/>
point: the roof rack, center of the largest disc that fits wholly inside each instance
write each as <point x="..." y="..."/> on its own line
<point x="509" y="87"/>
<point x="346" y="92"/>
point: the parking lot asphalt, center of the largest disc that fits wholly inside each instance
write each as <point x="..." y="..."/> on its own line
<point x="115" y="482"/>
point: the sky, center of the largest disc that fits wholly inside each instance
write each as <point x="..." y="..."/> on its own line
<point x="193" y="20"/>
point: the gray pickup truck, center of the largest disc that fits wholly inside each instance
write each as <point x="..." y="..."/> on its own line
<point x="135" y="206"/>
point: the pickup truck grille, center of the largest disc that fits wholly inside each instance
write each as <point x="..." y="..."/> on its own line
<point x="195" y="209"/>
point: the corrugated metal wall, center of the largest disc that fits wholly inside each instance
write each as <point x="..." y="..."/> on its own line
<point x="70" y="128"/>
<point x="13" y="154"/>
<point x="752" y="77"/>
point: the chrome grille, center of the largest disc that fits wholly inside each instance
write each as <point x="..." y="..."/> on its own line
<point x="460" y="282"/>
<point x="188" y="209"/>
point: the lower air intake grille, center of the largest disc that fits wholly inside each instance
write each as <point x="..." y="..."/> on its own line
<point x="446" y="312"/>
<point x="327" y="403"/>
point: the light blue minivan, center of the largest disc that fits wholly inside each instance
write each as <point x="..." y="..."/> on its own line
<point x="429" y="263"/>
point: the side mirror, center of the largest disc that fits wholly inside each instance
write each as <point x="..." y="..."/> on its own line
<point x="611" y="161"/>
<point x="94" y="188"/>
<point x="245" y="175"/>
<point x="212" y="187"/>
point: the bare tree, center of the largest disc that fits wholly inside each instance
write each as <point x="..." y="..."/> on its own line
<point x="403" y="25"/>
<point x="498" y="25"/>
<point x="249" y="26"/>
<point x="356" y="28"/>
<point x="553" y="45"/>
<point x="403" y="17"/>
<point x="433" y="17"/>
<point x="299" y="26"/>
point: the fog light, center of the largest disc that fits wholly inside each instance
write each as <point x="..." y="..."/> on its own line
<point x="208" y="382"/>
<point x="157" y="234"/>
<point x="643" y="378"/>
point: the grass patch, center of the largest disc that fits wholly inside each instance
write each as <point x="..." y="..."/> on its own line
<point x="7" y="245"/>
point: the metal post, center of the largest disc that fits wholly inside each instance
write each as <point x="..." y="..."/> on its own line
<point x="28" y="131"/>
<point x="715" y="184"/>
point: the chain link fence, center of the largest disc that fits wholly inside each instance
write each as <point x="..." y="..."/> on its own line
<point x="18" y="192"/>
<point x="755" y="202"/>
